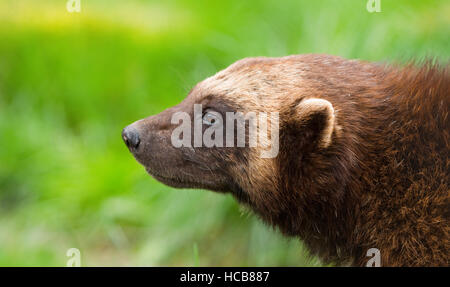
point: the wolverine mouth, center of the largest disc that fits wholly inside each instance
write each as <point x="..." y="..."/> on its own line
<point x="176" y="181"/>
<point x="171" y="181"/>
<point x="179" y="182"/>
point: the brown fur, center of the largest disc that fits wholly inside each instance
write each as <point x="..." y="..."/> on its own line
<point x="370" y="169"/>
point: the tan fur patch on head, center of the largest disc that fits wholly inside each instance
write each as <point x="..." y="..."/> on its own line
<point x="256" y="84"/>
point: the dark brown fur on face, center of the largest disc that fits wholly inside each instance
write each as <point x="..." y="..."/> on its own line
<point x="363" y="165"/>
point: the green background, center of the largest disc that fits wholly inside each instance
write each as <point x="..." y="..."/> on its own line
<point x="69" y="83"/>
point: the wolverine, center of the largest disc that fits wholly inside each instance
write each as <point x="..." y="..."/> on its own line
<point x="362" y="157"/>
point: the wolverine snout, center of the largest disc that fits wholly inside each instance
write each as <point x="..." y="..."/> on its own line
<point x="131" y="137"/>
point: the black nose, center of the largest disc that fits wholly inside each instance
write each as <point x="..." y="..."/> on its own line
<point x="131" y="137"/>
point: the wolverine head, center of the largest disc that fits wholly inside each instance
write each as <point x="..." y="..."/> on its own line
<point x="228" y="133"/>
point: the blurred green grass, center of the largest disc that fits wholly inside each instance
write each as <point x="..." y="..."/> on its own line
<point x="70" y="82"/>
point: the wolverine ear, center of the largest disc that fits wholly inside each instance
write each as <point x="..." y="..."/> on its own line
<point x="318" y="116"/>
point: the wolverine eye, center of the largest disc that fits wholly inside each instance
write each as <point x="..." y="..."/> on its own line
<point x="210" y="118"/>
